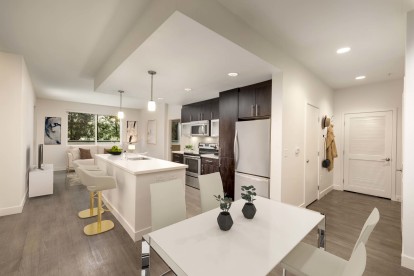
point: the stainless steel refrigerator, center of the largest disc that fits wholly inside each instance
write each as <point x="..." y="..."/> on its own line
<point x="252" y="156"/>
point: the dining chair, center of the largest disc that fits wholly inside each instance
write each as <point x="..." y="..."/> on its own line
<point x="309" y="260"/>
<point x="167" y="207"/>
<point x="210" y="185"/>
<point x="167" y="203"/>
<point x="303" y="259"/>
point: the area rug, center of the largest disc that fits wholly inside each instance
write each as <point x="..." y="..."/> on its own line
<point x="72" y="179"/>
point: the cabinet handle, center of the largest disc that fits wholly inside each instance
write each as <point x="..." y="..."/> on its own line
<point x="211" y="115"/>
<point x="252" y="110"/>
<point x="208" y="161"/>
<point x="257" y="110"/>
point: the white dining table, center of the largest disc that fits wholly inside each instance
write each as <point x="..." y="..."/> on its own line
<point x="196" y="246"/>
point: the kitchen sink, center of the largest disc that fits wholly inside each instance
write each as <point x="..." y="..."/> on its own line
<point x="138" y="158"/>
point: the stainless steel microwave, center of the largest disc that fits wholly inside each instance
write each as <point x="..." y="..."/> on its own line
<point x="200" y="128"/>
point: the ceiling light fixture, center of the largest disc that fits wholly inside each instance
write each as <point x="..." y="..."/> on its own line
<point x="233" y="74"/>
<point x="187" y="89"/>
<point x="151" y="104"/>
<point x="120" y="112"/>
<point x="343" y="50"/>
<point x="360" y="77"/>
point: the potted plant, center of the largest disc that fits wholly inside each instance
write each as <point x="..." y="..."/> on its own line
<point x="224" y="219"/>
<point x="248" y="194"/>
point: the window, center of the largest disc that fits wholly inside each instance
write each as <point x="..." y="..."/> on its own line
<point x="86" y="128"/>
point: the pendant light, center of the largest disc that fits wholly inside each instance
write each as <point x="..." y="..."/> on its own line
<point x="151" y="104"/>
<point x="120" y="112"/>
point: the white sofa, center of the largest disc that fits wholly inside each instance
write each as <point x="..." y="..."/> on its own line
<point x="73" y="155"/>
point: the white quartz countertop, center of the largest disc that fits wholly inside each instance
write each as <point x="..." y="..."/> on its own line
<point x="178" y="151"/>
<point x="150" y="165"/>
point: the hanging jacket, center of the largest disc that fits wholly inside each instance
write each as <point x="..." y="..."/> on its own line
<point x="331" y="152"/>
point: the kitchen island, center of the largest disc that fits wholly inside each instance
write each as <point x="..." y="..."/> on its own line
<point x="130" y="201"/>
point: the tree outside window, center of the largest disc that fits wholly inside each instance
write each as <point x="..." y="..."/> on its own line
<point x="86" y="128"/>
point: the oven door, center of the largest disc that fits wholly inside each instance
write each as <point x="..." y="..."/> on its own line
<point x="194" y="165"/>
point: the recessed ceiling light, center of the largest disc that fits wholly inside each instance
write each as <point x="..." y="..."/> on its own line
<point x="233" y="74"/>
<point x="343" y="50"/>
<point x="360" y="77"/>
<point x="187" y="89"/>
<point x="160" y="98"/>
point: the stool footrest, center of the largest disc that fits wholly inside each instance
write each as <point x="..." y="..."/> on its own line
<point x="87" y="213"/>
<point x="93" y="229"/>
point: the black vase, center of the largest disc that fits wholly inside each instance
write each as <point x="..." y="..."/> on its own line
<point x="225" y="221"/>
<point x="249" y="210"/>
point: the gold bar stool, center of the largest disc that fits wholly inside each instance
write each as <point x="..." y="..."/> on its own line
<point x="97" y="184"/>
<point x="91" y="211"/>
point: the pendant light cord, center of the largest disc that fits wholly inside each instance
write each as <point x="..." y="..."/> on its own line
<point x="152" y="80"/>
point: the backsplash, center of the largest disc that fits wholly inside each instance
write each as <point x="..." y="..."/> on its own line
<point x="185" y="140"/>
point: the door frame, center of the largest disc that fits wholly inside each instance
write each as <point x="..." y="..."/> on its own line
<point x="304" y="153"/>
<point x="393" y="146"/>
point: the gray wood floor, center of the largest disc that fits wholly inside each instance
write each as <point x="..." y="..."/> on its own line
<point x="47" y="238"/>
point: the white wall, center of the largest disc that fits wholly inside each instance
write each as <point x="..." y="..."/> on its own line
<point x="367" y="98"/>
<point x="17" y="107"/>
<point x="407" y="257"/>
<point x="157" y="150"/>
<point x="56" y="154"/>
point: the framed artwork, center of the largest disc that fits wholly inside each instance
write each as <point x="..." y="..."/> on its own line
<point x="152" y="132"/>
<point x="175" y="132"/>
<point x="53" y="131"/>
<point x="132" y="132"/>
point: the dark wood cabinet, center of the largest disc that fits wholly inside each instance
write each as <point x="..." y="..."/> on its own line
<point x="186" y="114"/>
<point x="209" y="165"/>
<point x="228" y="109"/>
<point x="200" y="111"/>
<point x="178" y="158"/>
<point x="255" y="101"/>
<point x="215" y="110"/>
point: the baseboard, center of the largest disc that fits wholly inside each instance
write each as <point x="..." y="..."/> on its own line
<point x="135" y="235"/>
<point x="407" y="261"/>
<point x="337" y="187"/>
<point x="302" y="205"/>
<point x="14" y="209"/>
<point x="325" y="192"/>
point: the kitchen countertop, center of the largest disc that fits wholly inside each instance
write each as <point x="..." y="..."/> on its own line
<point x="136" y="167"/>
<point x="178" y="151"/>
<point x="212" y="156"/>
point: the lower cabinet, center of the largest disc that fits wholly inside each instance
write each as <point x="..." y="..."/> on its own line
<point x="209" y="165"/>
<point x="178" y="158"/>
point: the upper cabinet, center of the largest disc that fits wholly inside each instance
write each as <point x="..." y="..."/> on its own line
<point x="255" y="101"/>
<point x="205" y="110"/>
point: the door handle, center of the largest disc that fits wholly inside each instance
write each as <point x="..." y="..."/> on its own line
<point x="235" y="149"/>
<point x="307" y="161"/>
<point x="386" y="159"/>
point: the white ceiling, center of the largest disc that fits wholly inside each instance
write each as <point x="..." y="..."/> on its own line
<point x="312" y="31"/>
<point x="185" y="54"/>
<point x="65" y="42"/>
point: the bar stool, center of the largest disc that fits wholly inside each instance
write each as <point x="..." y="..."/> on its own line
<point x="91" y="211"/>
<point x="96" y="184"/>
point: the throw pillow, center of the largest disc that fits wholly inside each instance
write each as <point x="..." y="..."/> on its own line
<point x="85" y="153"/>
<point x="75" y="153"/>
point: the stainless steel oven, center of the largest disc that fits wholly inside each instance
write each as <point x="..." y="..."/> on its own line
<point x="193" y="171"/>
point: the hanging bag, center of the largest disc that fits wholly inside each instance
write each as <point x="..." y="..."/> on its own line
<point x="326" y="162"/>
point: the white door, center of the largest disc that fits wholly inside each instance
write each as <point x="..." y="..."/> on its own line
<point x="367" y="153"/>
<point x="311" y="156"/>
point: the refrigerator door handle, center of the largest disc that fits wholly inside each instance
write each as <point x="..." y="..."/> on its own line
<point x="236" y="149"/>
